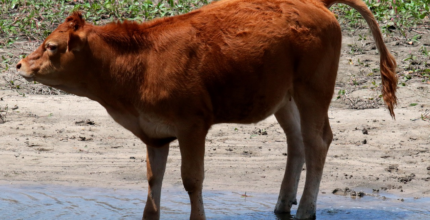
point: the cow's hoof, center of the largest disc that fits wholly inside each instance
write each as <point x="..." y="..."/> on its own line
<point x="284" y="206"/>
<point x="305" y="214"/>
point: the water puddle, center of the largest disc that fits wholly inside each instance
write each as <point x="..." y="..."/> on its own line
<point x="59" y="202"/>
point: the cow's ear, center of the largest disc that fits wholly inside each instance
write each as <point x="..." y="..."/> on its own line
<point x="77" y="36"/>
<point x="75" y="20"/>
<point x="76" y="41"/>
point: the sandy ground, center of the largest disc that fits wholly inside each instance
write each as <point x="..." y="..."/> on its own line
<point x="69" y="140"/>
<point x="44" y="143"/>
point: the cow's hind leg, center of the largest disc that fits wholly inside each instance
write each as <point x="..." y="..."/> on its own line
<point x="289" y="119"/>
<point x="313" y="100"/>
<point x="156" y="159"/>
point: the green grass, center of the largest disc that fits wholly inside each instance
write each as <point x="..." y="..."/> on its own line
<point x="36" y="19"/>
<point x="402" y="15"/>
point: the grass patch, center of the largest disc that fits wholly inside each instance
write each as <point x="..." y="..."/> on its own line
<point x="402" y="15"/>
<point x="36" y="19"/>
<point x="29" y="20"/>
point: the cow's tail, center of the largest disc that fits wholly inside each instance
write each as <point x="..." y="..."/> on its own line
<point x="387" y="63"/>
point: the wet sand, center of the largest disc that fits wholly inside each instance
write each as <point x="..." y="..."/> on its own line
<point x="55" y="202"/>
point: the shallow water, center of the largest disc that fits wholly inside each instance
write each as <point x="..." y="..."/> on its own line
<point x="59" y="202"/>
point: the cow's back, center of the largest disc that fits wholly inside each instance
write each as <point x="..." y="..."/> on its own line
<point x="236" y="61"/>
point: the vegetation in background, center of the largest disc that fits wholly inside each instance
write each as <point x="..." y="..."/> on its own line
<point x="35" y="19"/>
<point x="402" y="15"/>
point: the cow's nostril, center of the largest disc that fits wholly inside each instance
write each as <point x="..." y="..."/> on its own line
<point x="18" y="66"/>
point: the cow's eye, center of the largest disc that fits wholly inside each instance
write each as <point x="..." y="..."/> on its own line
<point x="51" y="47"/>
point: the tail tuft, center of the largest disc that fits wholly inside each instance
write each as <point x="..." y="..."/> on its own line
<point x="389" y="82"/>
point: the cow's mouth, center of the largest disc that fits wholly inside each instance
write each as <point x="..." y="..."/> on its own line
<point x="28" y="77"/>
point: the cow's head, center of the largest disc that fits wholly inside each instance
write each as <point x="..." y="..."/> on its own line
<point x="59" y="60"/>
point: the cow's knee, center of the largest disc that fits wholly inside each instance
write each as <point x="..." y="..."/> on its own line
<point x="192" y="184"/>
<point x="327" y="134"/>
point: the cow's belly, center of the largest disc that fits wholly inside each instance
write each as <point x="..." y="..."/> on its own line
<point x="250" y="109"/>
<point x="143" y="125"/>
<point x="156" y="127"/>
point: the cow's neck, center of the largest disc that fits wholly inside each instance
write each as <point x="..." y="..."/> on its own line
<point x="114" y="77"/>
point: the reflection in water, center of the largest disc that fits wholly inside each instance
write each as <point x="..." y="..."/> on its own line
<point x="59" y="202"/>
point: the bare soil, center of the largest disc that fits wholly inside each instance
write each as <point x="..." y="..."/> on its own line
<point x="48" y="137"/>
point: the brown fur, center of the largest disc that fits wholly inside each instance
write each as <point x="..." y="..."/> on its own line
<point x="233" y="61"/>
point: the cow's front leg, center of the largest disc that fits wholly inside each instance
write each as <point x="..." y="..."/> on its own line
<point x="156" y="159"/>
<point x="192" y="146"/>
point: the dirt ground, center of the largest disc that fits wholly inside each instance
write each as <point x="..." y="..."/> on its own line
<point x="70" y="140"/>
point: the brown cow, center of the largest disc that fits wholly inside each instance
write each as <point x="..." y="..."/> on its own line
<point x="233" y="61"/>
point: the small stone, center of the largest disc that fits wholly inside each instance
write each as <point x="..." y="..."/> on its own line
<point x="392" y="168"/>
<point x="338" y="191"/>
<point x="365" y="131"/>
<point x="90" y="122"/>
<point x="364" y="141"/>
